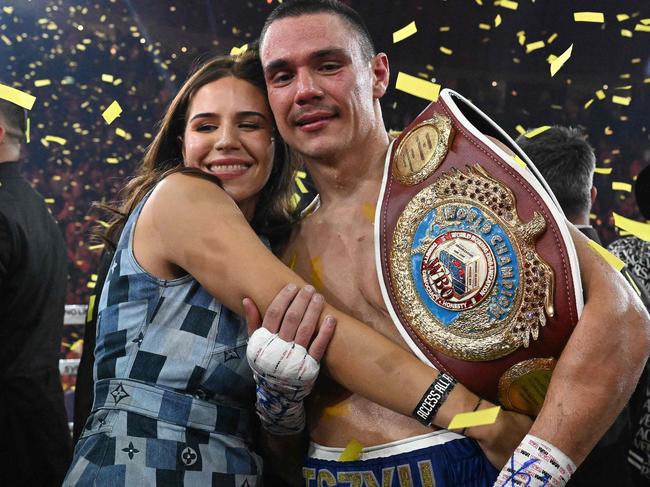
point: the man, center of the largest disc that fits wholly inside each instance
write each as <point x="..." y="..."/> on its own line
<point x="567" y="162"/>
<point x="35" y="447"/>
<point x="325" y="82"/>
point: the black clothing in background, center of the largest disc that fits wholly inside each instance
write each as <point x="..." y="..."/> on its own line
<point x="84" y="393"/>
<point x="35" y="448"/>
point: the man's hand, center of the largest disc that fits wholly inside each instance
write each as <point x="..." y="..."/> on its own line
<point x="499" y="440"/>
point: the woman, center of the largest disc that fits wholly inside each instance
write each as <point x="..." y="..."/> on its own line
<point x="173" y="392"/>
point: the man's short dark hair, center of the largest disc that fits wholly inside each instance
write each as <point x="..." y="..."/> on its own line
<point x="567" y="162"/>
<point x="14" y="117"/>
<point x="297" y="8"/>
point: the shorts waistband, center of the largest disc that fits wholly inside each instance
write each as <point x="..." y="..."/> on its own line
<point x="171" y="407"/>
<point x="406" y="445"/>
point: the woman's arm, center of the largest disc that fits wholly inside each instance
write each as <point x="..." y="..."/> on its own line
<point x="194" y="225"/>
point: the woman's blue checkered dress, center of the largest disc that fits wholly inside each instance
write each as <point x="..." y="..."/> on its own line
<point x="173" y="392"/>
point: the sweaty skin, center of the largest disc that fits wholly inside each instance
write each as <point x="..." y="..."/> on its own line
<point x="325" y="99"/>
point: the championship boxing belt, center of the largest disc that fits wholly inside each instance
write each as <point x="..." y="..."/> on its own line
<point x="477" y="266"/>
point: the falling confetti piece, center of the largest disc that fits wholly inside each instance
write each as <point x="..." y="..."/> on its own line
<point x="107" y="78"/>
<point x="497" y="20"/>
<point x="236" y="51"/>
<point x="638" y="229"/>
<point x="520" y="161"/>
<point x="49" y="201"/>
<point x="559" y="62"/>
<point x="18" y="97"/>
<point x="404" y="32"/>
<point x="622" y="100"/>
<point x="603" y="170"/>
<point x="626" y="33"/>
<point x="520" y="129"/>
<point x="483" y="26"/>
<point x="642" y="28"/>
<point x="475" y="418"/>
<point x="417" y="86"/>
<point x="589" y="17"/>
<point x="506" y="4"/>
<point x="622" y="17"/>
<point x="610" y="258"/>
<point x="42" y="82"/>
<point x="533" y="46"/>
<point x="600" y="94"/>
<point x="619" y="186"/>
<point x="112" y="112"/>
<point x="57" y="140"/>
<point x="112" y="160"/>
<point x="352" y="452"/>
<point x="317" y="273"/>
<point x="446" y="50"/>
<point x="552" y="38"/>
<point x="444" y="28"/>
<point x="537" y="131"/>
<point x="368" y="210"/>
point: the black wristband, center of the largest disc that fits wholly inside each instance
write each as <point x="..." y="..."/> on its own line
<point x="433" y="398"/>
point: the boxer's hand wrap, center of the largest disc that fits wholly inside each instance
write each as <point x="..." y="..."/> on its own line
<point x="285" y="374"/>
<point x="536" y="463"/>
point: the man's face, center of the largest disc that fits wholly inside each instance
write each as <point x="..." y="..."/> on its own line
<point x="321" y="89"/>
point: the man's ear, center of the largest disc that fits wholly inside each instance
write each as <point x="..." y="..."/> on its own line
<point x="594" y="193"/>
<point x="381" y="75"/>
<point x="3" y="134"/>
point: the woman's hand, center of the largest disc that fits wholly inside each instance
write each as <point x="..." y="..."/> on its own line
<point x="284" y="370"/>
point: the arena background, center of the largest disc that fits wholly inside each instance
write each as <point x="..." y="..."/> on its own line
<point x="78" y="57"/>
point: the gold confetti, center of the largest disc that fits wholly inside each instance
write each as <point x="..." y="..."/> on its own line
<point x="18" y="97"/>
<point x="552" y="38"/>
<point x="626" y="33"/>
<point x="608" y="130"/>
<point x="417" y="86"/>
<point x="559" y="62"/>
<point x="49" y="201"/>
<point x="299" y="176"/>
<point x="519" y="161"/>
<point x="537" y="131"/>
<point x="622" y="17"/>
<point x="236" y="51"/>
<point x="638" y="229"/>
<point x="642" y="28"/>
<point x="368" y="210"/>
<point x="497" y="20"/>
<point x="91" y="307"/>
<point x="475" y="418"/>
<point x="5" y="39"/>
<point x="340" y="409"/>
<point x="645" y="21"/>
<point x="404" y="32"/>
<point x="480" y="2"/>
<point x="8" y="10"/>
<point x="589" y="17"/>
<point x="533" y="46"/>
<point x="520" y="129"/>
<point x="52" y="138"/>
<point x="619" y="186"/>
<point x="603" y="170"/>
<point x="445" y="28"/>
<point x="292" y="261"/>
<point x="610" y="258"/>
<point x="112" y="160"/>
<point x="588" y="104"/>
<point x="112" y="112"/>
<point x="107" y="78"/>
<point x="506" y="4"/>
<point x="600" y="94"/>
<point x="622" y="100"/>
<point x="483" y="26"/>
<point x="317" y="273"/>
<point x="446" y="50"/>
<point x="42" y="82"/>
<point x="352" y="452"/>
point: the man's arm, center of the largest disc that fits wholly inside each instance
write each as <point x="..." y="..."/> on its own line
<point x="601" y="364"/>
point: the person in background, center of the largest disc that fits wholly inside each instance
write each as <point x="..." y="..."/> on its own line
<point x="635" y="252"/>
<point x="35" y="448"/>
<point x="567" y="162"/>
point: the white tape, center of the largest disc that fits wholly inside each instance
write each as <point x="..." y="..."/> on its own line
<point x="536" y="463"/>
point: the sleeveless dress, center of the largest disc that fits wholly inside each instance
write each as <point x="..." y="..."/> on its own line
<point x="174" y="394"/>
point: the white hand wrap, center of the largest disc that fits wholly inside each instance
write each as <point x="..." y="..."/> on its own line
<point x="285" y="374"/>
<point x="536" y="463"/>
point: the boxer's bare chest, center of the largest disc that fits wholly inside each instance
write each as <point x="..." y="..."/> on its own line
<point x="334" y="250"/>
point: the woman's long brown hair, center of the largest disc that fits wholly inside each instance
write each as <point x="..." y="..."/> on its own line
<point x="164" y="156"/>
